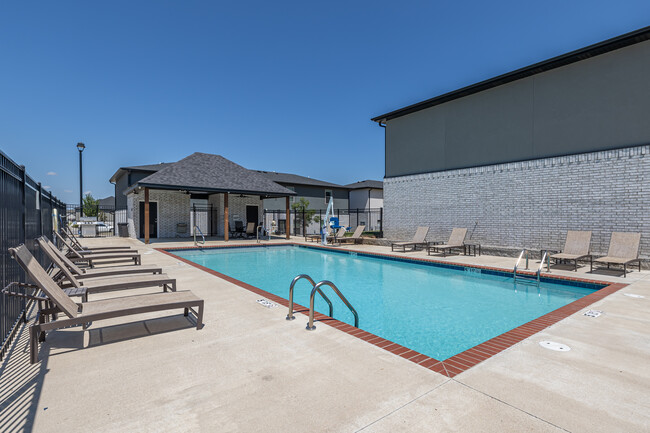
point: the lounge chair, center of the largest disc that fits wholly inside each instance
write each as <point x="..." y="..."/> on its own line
<point x="576" y="247"/>
<point x="86" y="312"/>
<point x="355" y="236"/>
<point x="77" y="245"/>
<point x="88" y="251"/>
<point x="623" y="250"/>
<point x="337" y="236"/>
<point x="90" y="257"/>
<point x="97" y="272"/>
<point x="106" y="283"/>
<point x="456" y="240"/>
<point x="316" y="237"/>
<point x="419" y="239"/>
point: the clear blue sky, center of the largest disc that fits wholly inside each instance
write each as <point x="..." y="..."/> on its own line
<point x="284" y="86"/>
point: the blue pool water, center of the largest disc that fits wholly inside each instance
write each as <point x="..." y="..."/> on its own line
<point x="436" y="311"/>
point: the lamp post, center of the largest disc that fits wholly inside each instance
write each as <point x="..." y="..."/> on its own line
<point x="81" y="147"/>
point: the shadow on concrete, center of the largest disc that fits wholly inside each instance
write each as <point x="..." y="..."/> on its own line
<point x="20" y="385"/>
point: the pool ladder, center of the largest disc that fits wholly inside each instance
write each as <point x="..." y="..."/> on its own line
<point x="196" y="244"/>
<point x="316" y="288"/>
<point x="525" y="278"/>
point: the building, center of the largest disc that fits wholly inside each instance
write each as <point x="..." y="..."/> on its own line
<point x="366" y="194"/>
<point x="521" y="158"/>
<point x="202" y="189"/>
<point x="316" y="192"/>
<point x="366" y="199"/>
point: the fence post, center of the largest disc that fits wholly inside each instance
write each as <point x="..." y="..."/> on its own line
<point x="23" y="211"/>
<point x="40" y="209"/>
<point x="303" y="221"/>
<point x="381" y="221"/>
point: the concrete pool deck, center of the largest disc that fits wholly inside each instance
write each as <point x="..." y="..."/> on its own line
<point x="249" y="369"/>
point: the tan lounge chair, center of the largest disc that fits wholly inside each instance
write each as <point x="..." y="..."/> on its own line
<point x="86" y="312"/>
<point x="355" y="236"/>
<point x="623" y="250"/>
<point x="456" y="240"/>
<point x="317" y="236"/>
<point x="576" y="247"/>
<point x="419" y="239"/>
<point x="106" y="284"/>
<point x="77" y="245"/>
<point x="105" y="257"/>
<point x="337" y="236"/>
<point x="97" y="272"/>
<point x="85" y="252"/>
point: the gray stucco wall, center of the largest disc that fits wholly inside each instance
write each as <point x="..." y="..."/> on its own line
<point x="595" y="104"/>
<point x="528" y="204"/>
<point x="314" y="194"/>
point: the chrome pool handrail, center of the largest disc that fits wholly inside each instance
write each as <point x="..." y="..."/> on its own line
<point x="290" y="316"/>
<point x="310" y="325"/>
<point x="195" y="229"/>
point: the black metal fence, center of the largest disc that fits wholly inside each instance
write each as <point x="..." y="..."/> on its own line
<point x="310" y="221"/>
<point x="27" y="211"/>
<point x="107" y="219"/>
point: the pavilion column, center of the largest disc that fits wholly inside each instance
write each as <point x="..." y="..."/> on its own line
<point x="146" y="215"/>
<point x="288" y="223"/>
<point x="225" y="216"/>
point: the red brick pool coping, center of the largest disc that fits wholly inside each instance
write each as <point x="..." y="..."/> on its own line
<point x="452" y="366"/>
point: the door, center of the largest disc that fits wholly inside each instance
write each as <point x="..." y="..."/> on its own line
<point x="252" y="215"/>
<point x="153" y="219"/>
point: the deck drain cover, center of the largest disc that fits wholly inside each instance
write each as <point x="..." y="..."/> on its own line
<point x="147" y="252"/>
<point x="558" y="347"/>
<point x="266" y="303"/>
<point x="592" y="313"/>
<point x="632" y="295"/>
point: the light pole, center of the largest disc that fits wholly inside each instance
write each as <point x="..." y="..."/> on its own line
<point x="81" y="147"/>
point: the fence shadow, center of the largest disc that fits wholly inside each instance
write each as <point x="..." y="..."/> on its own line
<point x="21" y="384"/>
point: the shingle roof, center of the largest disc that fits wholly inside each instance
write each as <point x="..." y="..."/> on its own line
<point x="148" y="167"/>
<point x="212" y="173"/>
<point x="373" y="184"/>
<point x="289" y="178"/>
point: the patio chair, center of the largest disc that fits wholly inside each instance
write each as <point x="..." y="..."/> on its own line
<point x="97" y="272"/>
<point x="355" y="236"/>
<point x="456" y="240"/>
<point x="105" y="257"/>
<point x="77" y="245"/>
<point x="238" y="232"/>
<point x="87" y="312"/>
<point x="88" y="251"/>
<point x="623" y="250"/>
<point x="418" y="240"/>
<point x="576" y="247"/>
<point x="338" y="235"/>
<point x="316" y="237"/>
<point x="250" y="230"/>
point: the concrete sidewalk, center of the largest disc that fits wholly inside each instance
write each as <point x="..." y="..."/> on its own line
<point x="251" y="370"/>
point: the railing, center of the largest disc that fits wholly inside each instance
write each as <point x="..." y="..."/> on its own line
<point x="537" y="276"/>
<point x="310" y="325"/>
<point x="27" y="211"/>
<point x="260" y="228"/>
<point x="290" y="316"/>
<point x="203" y="237"/>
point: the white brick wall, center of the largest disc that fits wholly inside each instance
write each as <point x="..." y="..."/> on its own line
<point x="528" y="204"/>
<point x="236" y="209"/>
<point x="173" y="208"/>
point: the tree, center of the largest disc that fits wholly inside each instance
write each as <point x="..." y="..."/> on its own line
<point x="90" y="206"/>
<point x="302" y="211"/>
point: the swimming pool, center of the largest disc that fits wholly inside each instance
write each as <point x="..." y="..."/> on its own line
<point x="437" y="311"/>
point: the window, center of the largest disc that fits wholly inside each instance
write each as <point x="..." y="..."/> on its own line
<point x="291" y="198"/>
<point x="328" y="195"/>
